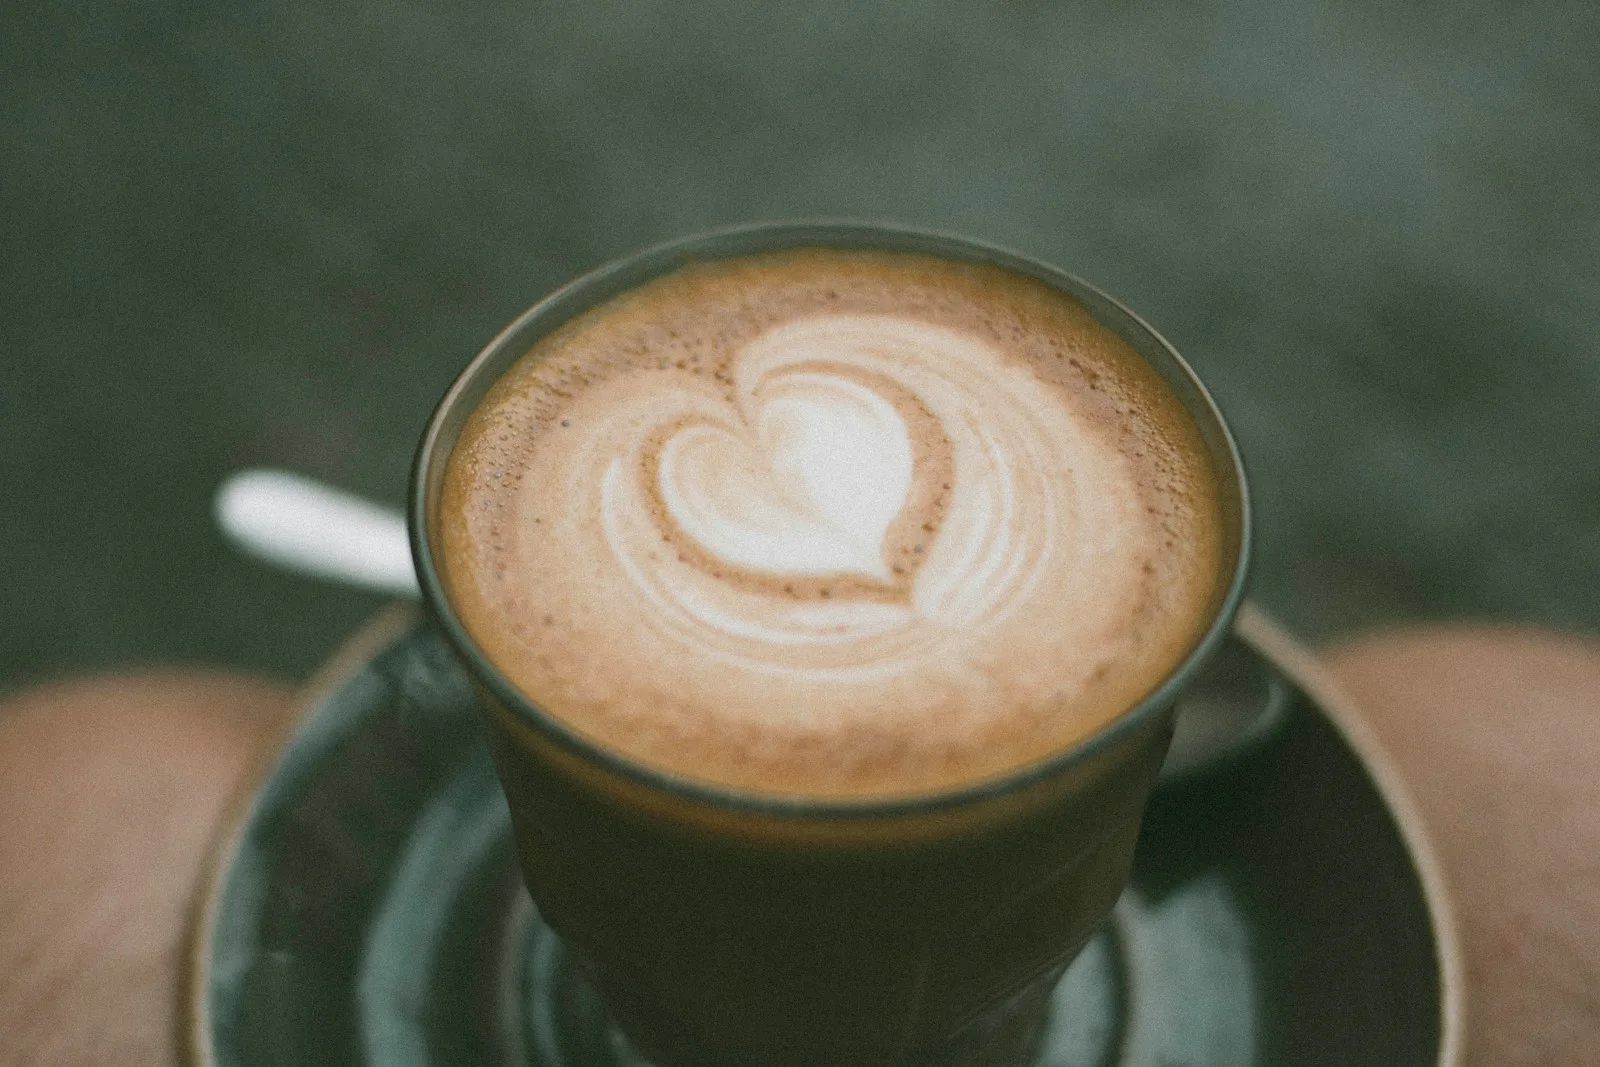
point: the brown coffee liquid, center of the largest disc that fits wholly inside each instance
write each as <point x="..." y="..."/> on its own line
<point x="833" y="524"/>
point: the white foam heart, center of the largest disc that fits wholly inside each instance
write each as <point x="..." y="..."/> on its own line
<point x="811" y="492"/>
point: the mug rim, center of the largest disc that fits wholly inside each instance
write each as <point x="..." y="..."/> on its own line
<point x="629" y="271"/>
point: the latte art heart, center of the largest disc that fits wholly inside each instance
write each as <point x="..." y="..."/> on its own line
<point x="868" y="487"/>
<point x="832" y="524"/>
<point x="813" y="494"/>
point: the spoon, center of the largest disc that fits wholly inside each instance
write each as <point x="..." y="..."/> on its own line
<point x="302" y="525"/>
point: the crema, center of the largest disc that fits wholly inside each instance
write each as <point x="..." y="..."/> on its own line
<point x="833" y="524"/>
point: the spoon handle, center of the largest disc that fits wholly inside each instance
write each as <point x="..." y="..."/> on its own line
<point x="305" y="526"/>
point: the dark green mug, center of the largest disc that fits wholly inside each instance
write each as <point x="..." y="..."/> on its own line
<point x="731" y="930"/>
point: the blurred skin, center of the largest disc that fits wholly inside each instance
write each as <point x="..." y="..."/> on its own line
<point x="1497" y="731"/>
<point x="112" y="789"/>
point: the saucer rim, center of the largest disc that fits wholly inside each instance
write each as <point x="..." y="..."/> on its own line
<point x="1305" y="670"/>
<point x="388" y="625"/>
<point x="1253" y="624"/>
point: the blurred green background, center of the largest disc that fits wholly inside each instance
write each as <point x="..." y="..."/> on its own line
<point x="242" y="233"/>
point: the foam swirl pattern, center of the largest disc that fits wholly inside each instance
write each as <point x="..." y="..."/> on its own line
<point x="832" y="525"/>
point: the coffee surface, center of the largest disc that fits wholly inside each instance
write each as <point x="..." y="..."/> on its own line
<point x="833" y="524"/>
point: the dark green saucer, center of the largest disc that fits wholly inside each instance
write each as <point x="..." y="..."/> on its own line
<point x="368" y="910"/>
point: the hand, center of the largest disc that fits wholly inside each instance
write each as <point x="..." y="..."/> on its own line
<point x="111" y="791"/>
<point x="1497" y="732"/>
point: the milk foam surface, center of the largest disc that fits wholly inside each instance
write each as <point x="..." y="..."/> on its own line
<point x="833" y="524"/>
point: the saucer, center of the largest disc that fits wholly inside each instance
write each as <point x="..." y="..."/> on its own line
<point x="367" y="908"/>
